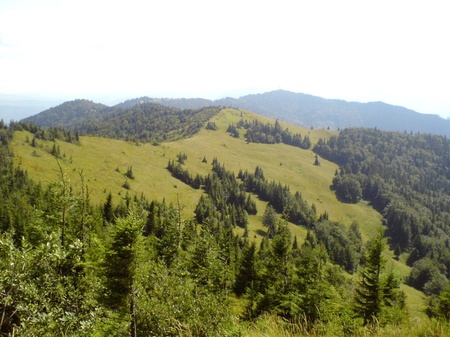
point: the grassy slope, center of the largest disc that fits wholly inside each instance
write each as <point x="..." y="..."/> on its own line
<point x="100" y="158"/>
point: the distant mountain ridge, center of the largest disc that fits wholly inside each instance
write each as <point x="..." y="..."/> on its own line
<point x="307" y="110"/>
<point x="296" y="108"/>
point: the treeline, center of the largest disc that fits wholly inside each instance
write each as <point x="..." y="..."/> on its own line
<point x="258" y="132"/>
<point x="407" y="178"/>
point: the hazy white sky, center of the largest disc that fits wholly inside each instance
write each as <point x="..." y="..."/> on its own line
<point x="392" y="51"/>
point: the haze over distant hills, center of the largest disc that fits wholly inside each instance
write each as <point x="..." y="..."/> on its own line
<point x="297" y="108"/>
<point x="16" y="107"/>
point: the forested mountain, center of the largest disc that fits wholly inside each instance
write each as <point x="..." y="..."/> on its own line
<point x="70" y="114"/>
<point x="406" y="178"/>
<point x="140" y="121"/>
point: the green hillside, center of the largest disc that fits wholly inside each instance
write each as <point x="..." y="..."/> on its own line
<point x="104" y="163"/>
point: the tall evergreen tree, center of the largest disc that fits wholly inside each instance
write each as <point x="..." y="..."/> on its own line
<point x="376" y="293"/>
<point x="369" y="293"/>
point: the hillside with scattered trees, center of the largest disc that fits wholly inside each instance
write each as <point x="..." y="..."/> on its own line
<point x="131" y="265"/>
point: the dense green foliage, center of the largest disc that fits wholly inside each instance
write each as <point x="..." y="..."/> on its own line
<point x="407" y="178"/>
<point x="229" y="201"/>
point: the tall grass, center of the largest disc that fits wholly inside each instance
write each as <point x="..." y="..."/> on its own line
<point x="270" y="325"/>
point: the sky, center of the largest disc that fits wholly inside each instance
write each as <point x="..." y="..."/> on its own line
<point x="397" y="52"/>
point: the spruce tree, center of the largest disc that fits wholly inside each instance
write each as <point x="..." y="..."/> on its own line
<point x="373" y="293"/>
<point x="368" y="299"/>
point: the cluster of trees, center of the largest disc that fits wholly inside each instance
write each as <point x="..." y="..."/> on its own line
<point x="226" y="200"/>
<point x="258" y="132"/>
<point x="344" y="245"/>
<point x="291" y="206"/>
<point x="407" y="178"/>
<point x="347" y="187"/>
<point x="233" y="130"/>
<point x="52" y="133"/>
